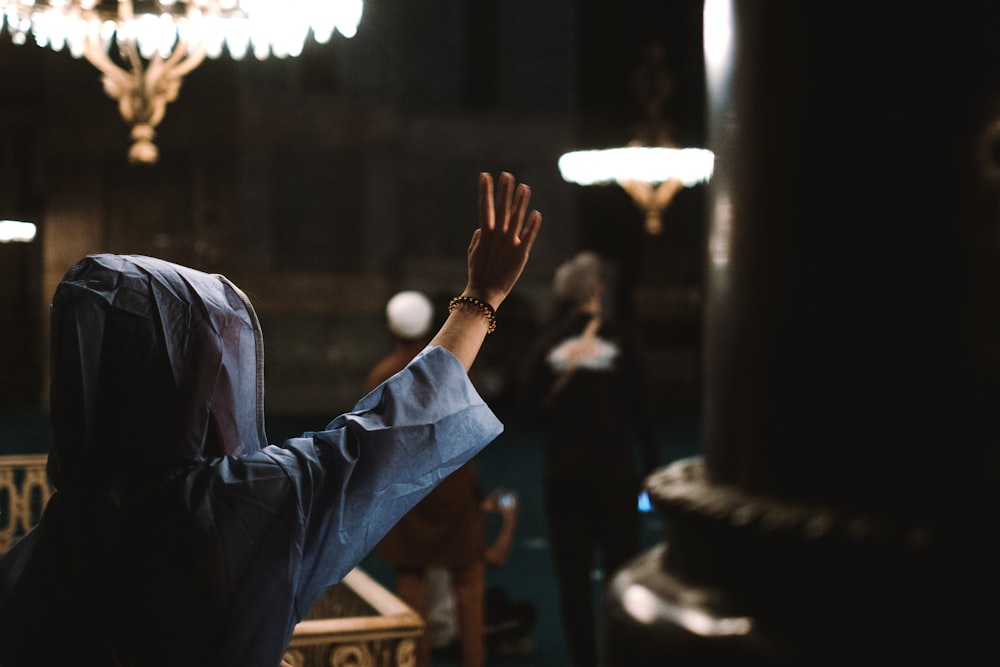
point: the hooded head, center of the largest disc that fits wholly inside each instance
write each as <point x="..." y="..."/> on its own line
<point x="155" y="366"/>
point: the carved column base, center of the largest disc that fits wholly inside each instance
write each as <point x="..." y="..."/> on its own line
<point x="748" y="576"/>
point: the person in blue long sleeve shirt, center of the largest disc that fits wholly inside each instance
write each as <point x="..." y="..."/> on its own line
<point x="176" y="534"/>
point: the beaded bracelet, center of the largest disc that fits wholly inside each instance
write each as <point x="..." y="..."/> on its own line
<point x="485" y="309"/>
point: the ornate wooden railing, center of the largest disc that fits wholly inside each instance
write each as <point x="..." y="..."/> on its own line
<point x="358" y="623"/>
<point x="24" y="490"/>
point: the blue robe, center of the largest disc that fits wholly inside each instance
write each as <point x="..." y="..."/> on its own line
<point x="176" y="535"/>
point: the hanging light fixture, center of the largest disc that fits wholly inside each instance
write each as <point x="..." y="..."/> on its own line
<point x="651" y="175"/>
<point x="143" y="48"/>
<point x="15" y="231"/>
<point x="650" y="168"/>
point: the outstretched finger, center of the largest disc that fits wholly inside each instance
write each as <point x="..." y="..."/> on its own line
<point x="504" y="195"/>
<point x="474" y="241"/>
<point x="521" y="198"/>
<point x="487" y="218"/>
<point x="530" y="231"/>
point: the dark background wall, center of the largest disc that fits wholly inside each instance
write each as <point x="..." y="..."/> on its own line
<point x="325" y="183"/>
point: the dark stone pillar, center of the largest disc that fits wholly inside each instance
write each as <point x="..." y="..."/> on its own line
<point x="852" y="257"/>
<point x="852" y="345"/>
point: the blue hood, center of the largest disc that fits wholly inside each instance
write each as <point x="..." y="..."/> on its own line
<point x="154" y="365"/>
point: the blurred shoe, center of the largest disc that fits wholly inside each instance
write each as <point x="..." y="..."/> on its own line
<point x="450" y="651"/>
<point x="512" y="648"/>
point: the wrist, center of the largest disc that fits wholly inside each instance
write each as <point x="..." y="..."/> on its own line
<point x="479" y="306"/>
<point x="494" y="298"/>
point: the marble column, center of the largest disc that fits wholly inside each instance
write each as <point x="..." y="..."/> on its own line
<point x="851" y="333"/>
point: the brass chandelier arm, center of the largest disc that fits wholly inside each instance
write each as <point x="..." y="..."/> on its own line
<point x="652" y="199"/>
<point x="144" y="90"/>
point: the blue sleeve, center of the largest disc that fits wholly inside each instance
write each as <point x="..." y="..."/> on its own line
<point x="255" y="540"/>
<point x="371" y="465"/>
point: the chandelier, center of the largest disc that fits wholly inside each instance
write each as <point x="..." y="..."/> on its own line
<point x="650" y="168"/>
<point x="15" y="231"/>
<point x="143" y="48"/>
<point x="651" y="175"/>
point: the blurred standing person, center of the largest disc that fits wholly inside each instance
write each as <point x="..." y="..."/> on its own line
<point x="585" y="388"/>
<point x="508" y="623"/>
<point x="445" y="529"/>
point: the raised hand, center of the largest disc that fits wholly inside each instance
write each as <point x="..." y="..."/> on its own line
<point x="497" y="254"/>
<point x="500" y="247"/>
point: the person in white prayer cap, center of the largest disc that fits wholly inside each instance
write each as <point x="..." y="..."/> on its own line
<point x="445" y="530"/>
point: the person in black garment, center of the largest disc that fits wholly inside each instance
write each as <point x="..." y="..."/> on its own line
<point x="586" y="389"/>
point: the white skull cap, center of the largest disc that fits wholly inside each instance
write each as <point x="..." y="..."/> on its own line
<point x="409" y="314"/>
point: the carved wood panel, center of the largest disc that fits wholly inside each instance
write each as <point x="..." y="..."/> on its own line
<point x="24" y="490"/>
